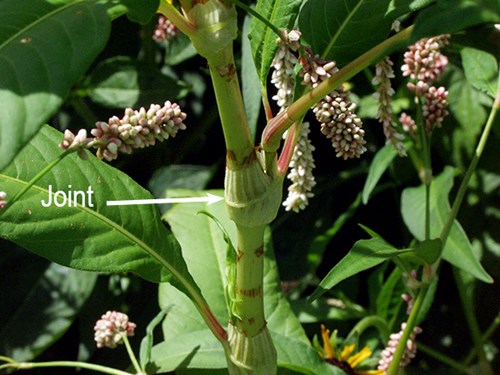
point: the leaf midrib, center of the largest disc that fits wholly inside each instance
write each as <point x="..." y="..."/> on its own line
<point x="122" y="231"/>
<point x="341" y="28"/>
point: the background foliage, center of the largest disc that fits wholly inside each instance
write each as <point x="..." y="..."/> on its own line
<point x="91" y="75"/>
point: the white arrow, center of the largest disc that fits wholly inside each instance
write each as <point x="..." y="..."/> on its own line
<point x="210" y="198"/>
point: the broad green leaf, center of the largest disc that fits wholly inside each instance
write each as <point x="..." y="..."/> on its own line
<point x="364" y="254"/>
<point x="481" y="70"/>
<point x="429" y="250"/>
<point x="250" y="83"/>
<point x="122" y="82"/>
<point x="204" y="249"/>
<point x="449" y="16"/>
<point x="137" y="11"/>
<point x="44" y="48"/>
<point x="281" y="13"/>
<point x="465" y="104"/>
<point x="341" y="30"/>
<point x="458" y="249"/>
<point x="95" y="238"/>
<point x="55" y="292"/>
<point x="379" y="165"/>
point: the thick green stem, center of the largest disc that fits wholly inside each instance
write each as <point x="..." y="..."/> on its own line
<point x="249" y="279"/>
<point x="230" y="104"/>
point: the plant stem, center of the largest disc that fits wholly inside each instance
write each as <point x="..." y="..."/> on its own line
<point x="444" y="359"/>
<point x="278" y="125"/>
<point x="75" y="364"/>
<point x="249" y="280"/>
<point x="176" y="18"/>
<point x="132" y="356"/>
<point x="472" y="167"/>
<point x="465" y="293"/>
<point x="487" y="334"/>
<point x="410" y="324"/>
<point x="230" y="104"/>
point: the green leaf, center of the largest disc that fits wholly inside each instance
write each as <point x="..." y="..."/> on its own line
<point x="250" y="83"/>
<point x="458" y="249"/>
<point x="481" y="70"/>
<point x="204" y="249"/>
<point x="95" y="238"/>
<point x="56" y="293"/>
<point x="281" y="13"/>
<point x="122" y="82"/>
<point x="178" y="50"/>
<point x="140" y="11"/>
<point x="44" y="48"/>
<point x="429" y="250"/>
<point x="364" y="254"/>
<point x="341" y="30"/>
<point x="379" y="165"/>
<point x="398" y="8"/>
<point x="449" y="16"/>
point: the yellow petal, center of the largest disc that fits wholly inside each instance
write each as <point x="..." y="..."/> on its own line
<point x="325" y="334"/>
<point x="370" y="372"/>
<point x="346" y="352"/>
<point x="359" y="357"/>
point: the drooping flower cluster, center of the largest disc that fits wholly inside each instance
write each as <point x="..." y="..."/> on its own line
<point x="136" y="129"/>
<point x="165" y="30"/>
<point x="384" y="93"/>
<point x="424" y="64"/>
<point x="111" y="328"/>
<point x="335" y="111"/>
<point x="283" y="64"/>
<point x="301" y="167"/>
<point x="302" y="162"/>
<point x="3" y="197"/>
<point x="410" y="349"/>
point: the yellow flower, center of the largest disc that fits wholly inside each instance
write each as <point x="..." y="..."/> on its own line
<point x="346" y="361"/>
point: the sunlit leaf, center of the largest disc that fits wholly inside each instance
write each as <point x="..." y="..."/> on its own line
<point x="88" y="235"/>
<point x="481" y="70"/>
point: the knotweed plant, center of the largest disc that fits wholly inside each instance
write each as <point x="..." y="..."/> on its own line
<point x="305" y="91"/>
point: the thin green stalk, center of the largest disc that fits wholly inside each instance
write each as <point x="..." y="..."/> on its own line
<point x="271" y="136"/>
<point x="410" y="324"/>
<point x="472" y="323"/>
<point x="486" y="336"/>
<point x="89" y="366"/>
<point x="132" y="356"/>
<point x="445" y="359"/>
